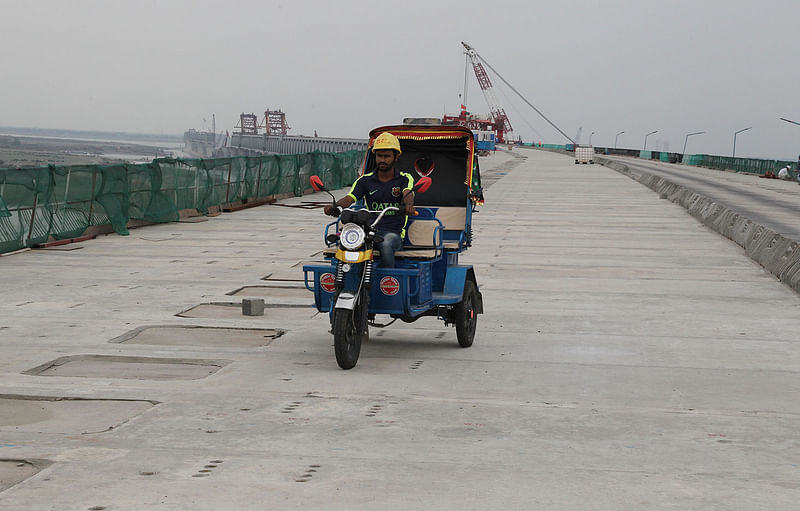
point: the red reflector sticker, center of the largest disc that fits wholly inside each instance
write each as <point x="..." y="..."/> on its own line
<point x="327" y="282"/>
<point x="389" y="286"/>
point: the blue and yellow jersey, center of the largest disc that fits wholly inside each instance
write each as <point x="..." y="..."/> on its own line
<point x="378" y="195"/>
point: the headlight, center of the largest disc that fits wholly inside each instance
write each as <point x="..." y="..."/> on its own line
<point x="352" y="236"/>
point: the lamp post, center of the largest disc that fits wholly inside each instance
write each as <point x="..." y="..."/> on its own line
<point x="644" y="148"/>
<point x="616" y="137"/>
<point x="687" y="139"/>
<point x="590" y="137"/>
<point x="734" y="139"/>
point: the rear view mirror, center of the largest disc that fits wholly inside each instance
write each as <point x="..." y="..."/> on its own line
<point x="423" y="184"/>
<point x="316" y="184"/>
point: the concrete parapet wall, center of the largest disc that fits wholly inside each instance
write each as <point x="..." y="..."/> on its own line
<point x="776" y="253"/>
<point x="203" y="145"/>
<point x="293" y="145"/>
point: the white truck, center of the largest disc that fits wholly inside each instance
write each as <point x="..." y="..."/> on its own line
<point x="584" y="154"/>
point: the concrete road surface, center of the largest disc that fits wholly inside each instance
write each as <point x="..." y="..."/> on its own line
<point x="629" y="358"/>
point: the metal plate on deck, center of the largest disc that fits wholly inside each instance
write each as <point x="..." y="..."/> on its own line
<point x="297" y="291"/>
<point x="15" y="471"/>
<point x="234" y="311"/>
<point x="63" y="415"/>
<point x="177" y="335"/>
<point x="134" y="368"/>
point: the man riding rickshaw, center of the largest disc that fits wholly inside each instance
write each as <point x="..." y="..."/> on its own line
<point x="415" y="224"/>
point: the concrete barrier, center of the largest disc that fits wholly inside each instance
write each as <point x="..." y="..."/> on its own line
<point x="776" y="253"/>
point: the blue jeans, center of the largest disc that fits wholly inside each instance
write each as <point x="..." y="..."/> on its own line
<point x="391" y="242"/>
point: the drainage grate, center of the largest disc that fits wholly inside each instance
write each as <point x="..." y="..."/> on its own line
<point x="199" y="336"/>
<point x="134" y="368"/>
<point x="308" y="473"/>
<point x="374" y="410"/>
<point x="208" y="468"/>
<point x="64" y="415"/>
<point x="15" y="471"/>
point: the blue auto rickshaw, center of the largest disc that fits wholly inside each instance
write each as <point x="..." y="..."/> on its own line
<point x="428" y="279"/>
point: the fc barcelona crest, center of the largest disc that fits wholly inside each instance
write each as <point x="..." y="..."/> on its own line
<point x="395" y="191"/>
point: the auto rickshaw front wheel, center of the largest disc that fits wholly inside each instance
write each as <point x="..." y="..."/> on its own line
<point x="466" y="319"/>
<point x="346" y="337"/>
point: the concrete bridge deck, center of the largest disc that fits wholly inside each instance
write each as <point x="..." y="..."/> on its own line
<point x="629" y="358"/>
<point x="761" y="215"/>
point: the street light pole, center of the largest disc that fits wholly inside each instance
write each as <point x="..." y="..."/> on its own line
<point x="687" y="139"/>
<point x="644" y="148"/>
<point x="734" y="139"/>
<point x="590" y="137"/>
<point x="616" y="137"/>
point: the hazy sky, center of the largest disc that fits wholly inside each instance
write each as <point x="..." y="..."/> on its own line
<point x="344" y="67"/>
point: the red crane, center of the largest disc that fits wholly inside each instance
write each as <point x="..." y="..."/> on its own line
<point x="501" y="122"/>
<point x="275" y="122"/>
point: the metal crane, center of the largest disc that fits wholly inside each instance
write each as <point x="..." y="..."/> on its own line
<point x="578" y="135"/>
<point x="498" y="114"/>
<point x="501" y="122"/>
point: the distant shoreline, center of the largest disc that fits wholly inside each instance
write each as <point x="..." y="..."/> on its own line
<point x="156" y="139"/>
<point x="166" y="144"/>
<point x="18" y="150"/>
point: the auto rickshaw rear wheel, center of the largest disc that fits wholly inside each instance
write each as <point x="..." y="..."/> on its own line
<point x="466" y="319"/>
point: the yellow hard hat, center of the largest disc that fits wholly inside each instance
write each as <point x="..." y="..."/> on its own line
<point x="387" y="141"/>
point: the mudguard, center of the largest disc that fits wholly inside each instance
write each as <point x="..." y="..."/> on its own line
<point x="454" y="283"/>
<point x="346" y="301"/>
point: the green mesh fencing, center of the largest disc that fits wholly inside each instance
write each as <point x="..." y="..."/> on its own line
<point x="692" y="159"/>
<point x="751" y="165"/>
<point x="61" y="202"/>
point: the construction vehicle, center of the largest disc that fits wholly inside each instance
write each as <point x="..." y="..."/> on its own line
<point x="484" y="142"/>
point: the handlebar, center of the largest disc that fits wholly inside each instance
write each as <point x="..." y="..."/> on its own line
<point x="380" y="215"/>
<point x="381" y="212"/>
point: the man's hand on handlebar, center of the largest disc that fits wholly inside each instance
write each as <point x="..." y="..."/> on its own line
<point x="336" y="209"/>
